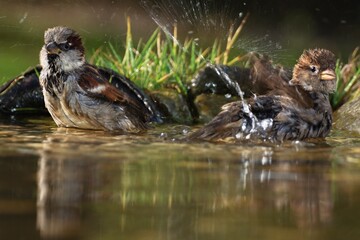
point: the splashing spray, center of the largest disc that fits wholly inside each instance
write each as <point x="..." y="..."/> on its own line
<point x="168" y="14"/>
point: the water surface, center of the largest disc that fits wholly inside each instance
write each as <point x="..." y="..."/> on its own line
<point x="75" y="184"/>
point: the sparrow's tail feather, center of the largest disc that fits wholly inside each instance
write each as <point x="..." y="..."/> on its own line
<point x="213" y="132"/>
<point x="226" y="124"/>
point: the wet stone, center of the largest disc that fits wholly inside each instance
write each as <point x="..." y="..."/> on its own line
<point x="210" y="81"/>
<point x="22" y="94"/>
<point x="173" y="106"/>
<point x="347" y="117"/>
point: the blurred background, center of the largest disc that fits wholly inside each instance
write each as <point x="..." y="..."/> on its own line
<point x="281" y="29"/>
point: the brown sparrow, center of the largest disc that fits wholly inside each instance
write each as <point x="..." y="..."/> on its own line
<point x="77" y="95"/>
<point x="292" y="109"/>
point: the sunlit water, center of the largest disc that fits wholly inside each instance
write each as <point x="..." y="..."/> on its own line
<point x="68" y="183"/>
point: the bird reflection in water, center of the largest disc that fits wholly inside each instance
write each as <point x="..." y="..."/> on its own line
<point x="188" y="190"/>
<point x="66" y="181"/>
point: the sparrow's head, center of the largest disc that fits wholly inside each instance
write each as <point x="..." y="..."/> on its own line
<point x="63" y="48"/>
<point x="315" y="71"/>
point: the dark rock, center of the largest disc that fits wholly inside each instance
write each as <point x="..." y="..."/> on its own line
<point x="220" y="79"/>
<point x="347" y="116"/>
<point x="22" y="94"/>
<point x="173" y="106"/>
<point x="215" y="86"/>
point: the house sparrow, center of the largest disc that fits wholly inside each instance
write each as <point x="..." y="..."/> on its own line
<point x="78" y="95"/>
<point x="286" y="109"/>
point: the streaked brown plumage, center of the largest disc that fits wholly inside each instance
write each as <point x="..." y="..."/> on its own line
<point x="284" y="109"/>
<point x="77" y="95"/>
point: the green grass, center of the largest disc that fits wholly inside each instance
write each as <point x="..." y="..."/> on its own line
<point x="348" y="80"/>
<point x="161" y="62"/>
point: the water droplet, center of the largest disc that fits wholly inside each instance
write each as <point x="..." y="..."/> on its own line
<point x="239" y="135"/>
<point x="264" y="160"/>
<point x="243" y="126"/>
<point x="163" y="135"/>
<point x="262" y="176"/>
<point x="23" y="18"/>
<point x="227" y="96"/>
<point x="266" y="124"/>
<point x="246" y="164"/>
<point x="185" y="131"/>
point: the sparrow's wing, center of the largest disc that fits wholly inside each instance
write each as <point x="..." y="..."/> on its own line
<point x="266" y="77"/>
<point x="128" y="87"/>
<point x="94" y="84"/>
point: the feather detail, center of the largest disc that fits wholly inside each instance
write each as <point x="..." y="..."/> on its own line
<point x="96" y="86"/>
<point x="78" y="94"/>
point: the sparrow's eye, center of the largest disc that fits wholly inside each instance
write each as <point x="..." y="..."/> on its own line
<point x="65" y="46"/>
<point x="313" y="68"/>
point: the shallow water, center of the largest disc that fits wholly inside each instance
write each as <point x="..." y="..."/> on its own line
<point x="74" y="184"/>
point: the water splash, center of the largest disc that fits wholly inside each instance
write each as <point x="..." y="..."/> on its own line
<point x="167" y="14"/>
<point x="24" y="17"/>
<point x="264" y="45"/>
<point x="204" y="15"/>
<point x="255" y="124"/>
<point x="197" y="17"/>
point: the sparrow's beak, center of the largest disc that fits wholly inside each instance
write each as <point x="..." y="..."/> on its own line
<point x="52" y="48"/>
<point x="328" y="75"/>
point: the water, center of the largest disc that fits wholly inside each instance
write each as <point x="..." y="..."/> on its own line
<point x="77" y="184"/>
